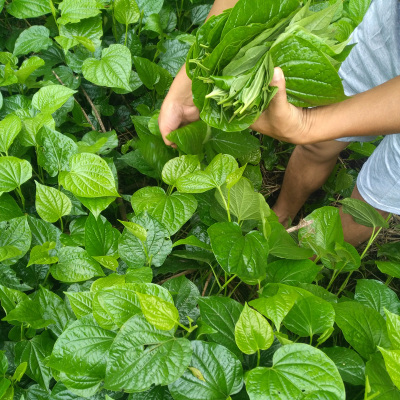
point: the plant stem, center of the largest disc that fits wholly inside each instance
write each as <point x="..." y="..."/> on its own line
<point x="233" y="291"/>
<point x="258" y="357"/>
<point x="126" y="34"/>
<point x="47" y="275"/>
<point x="215" y="276"/>
<point x="370" y="241"/>
<point x="388" y="281"/>
<point x="225" y="203"/>
<point x="227" y="283"/>
<point x="344" y="284"/>
<point x="21" y="196"/>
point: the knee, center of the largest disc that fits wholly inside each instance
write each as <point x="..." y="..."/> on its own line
<point x="321" y="152"/>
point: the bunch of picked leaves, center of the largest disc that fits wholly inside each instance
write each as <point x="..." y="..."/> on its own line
<point x="232" y="61"/>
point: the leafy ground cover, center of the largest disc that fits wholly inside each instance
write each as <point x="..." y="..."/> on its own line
<point x="129" y="270"/>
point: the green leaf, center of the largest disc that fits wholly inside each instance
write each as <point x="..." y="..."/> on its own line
<point x="126" y="11"/>
<point x="10" y="298"/>
<point x="292" y="272"/>
<point x="89" y="176"/>
<point x="19" y="372"/>
<point x="324" y="231"/>
<point x="393" y="328"/>
<point x="357" y="9"/>
<point x="96" y="205"/>
<point x="55" y="150"/>
<point x="82" y="386"/>
<point x="53" y="308"/>
<point x="51" y="204"/>
<point x="160" y="313"/>
<point x="277" y="300"/>
<point x="50" y="98"/>
<point x="34" y="353"/>
<point x="253" y="332"/>
<point x="102" y="143"/>
<point x="362" y="327"/>
<point x="155" y="393"/>
<point x="147" y="198"/>
<point x="220" y="370"/>
<point x="363" y="213"/>
<point x="245" y="256"/>
<point x="375" y="294"/>
<point x="172" y="211"/>
<point x="113" y="306"/>
<point x="132" y="367"/>
<point x="77" y="10"/>
<point x="82" y="349"/>
<point x="289" y="377"/>
<point x="193" y="241"/>
<point x="212" y="177"/>
<point x="33" y="39"/>
<point x="113" y="70"/>
<point x="71" y="35"/>
<point x="148" y="7"/>
<point x="244" y="202"/>
<point x="28" y="311"/>
<point x="31" y="128"/>
<point x="9" y="129"/>
<point x="390" y="268"/>
<point x="190" y="138"/>
<point x="350" y="365"/>
<point x="7" y="252"/>
<point x="81" y="303"/>
<point x="13" y="173"/>
<point x="174" y="55"/>
<point x="152" y="75"/>
<point x="294" y="54"/>
<point x="16" y="232"/>
<point x="28" y="67"/>
<point x="9" y="208"/>
<point x="3" y="363"/>
<point x="237" y="144"/>
<point x="178" y="167"/>
<point x="221" y="314"/>
<point x="136" y="230"/>
<point x="139" y="275"/>
<point x="28" y="8"/>
<point x="75" y="265"/>
<point x="153" y="251"/>
<point x="379" y="383"/>
<point x="101" y="238"/>
<point x="186" y="295"/>
<point x="310" y="316"/>
<point x="392" y="361"/>
<point x="234" y="178"/>
<point x="40" y="255"/>
<point x="5" y="385"/>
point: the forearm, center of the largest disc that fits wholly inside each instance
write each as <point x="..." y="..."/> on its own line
<point x="374" y="112"/>
<point x="221" y="5"/>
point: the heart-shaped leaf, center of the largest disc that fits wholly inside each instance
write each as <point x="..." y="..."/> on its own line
<point x="113" y="70"/>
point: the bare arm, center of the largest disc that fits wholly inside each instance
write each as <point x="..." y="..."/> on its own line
<point x="178" y="108"/>
<point x="374" y="112"/>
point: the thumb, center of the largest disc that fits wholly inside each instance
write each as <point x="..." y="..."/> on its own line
<point x="278" y="80"/>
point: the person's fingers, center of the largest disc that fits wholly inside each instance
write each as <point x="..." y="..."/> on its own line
<point x="280" y="99"/>
<point x="168" y="121"/>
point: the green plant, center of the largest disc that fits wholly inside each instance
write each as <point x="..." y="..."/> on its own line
<point x="131" y="270"/>
<point x="232" y="61"/>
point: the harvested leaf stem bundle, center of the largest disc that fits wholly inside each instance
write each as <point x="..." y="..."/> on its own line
<point x="232" y="61"/>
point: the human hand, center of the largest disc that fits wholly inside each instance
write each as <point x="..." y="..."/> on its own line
<point x="282" y="120"/>
<point x="178" y="108"/>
